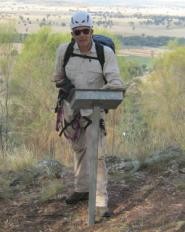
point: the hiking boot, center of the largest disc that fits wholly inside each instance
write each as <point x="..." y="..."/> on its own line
<point x="76" y="197"/>
<point x="103" y="212"/>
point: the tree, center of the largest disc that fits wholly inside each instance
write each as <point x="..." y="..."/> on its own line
<point x="8" y="54"/>
<point x="163" y="99"/>
<point x="33" y="94"/>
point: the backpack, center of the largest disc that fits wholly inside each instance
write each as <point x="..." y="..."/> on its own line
<point x="100" y="41"/>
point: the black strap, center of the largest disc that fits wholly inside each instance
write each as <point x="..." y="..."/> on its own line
<point x="84" y="56"/>
<point x="66" y="125"/>
<point x="89" y="121"/>
<point x="100" y="53"/>
<point x="101" y="56"/>
<point x="68" y="53"/>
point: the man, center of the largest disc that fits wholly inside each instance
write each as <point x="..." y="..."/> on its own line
<point x="86" y="74"/>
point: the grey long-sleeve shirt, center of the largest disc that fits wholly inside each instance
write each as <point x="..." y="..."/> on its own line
<point x="87" y="73"/>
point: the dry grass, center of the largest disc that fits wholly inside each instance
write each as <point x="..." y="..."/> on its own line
<point x="11" y="162"/>
<point x="18" y="159"/>
<point x="5" y="190"/>
<point x="152" y="116"/>
<point x="163" y="101"/>
<point x="50" y="189"/>
<point x="17" y="168"/>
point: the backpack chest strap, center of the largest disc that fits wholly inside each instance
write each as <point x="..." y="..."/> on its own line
<point x="95" y="58"/>
<point x="85" y="56"/>
<point x="99" y="50"/>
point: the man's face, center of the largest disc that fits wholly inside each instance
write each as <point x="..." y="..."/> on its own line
<point x="82" y="35"/>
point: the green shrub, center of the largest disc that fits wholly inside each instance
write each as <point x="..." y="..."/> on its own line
<point x="163" y="100"/>
<point x="32" y="91"/>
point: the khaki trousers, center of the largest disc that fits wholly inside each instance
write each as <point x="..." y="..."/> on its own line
<point x="81" y="162"/>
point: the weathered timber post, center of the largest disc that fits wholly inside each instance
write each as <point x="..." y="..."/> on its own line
<point x="95" y="99"/>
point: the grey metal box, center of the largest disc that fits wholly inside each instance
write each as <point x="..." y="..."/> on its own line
<point x="88" y="98"/>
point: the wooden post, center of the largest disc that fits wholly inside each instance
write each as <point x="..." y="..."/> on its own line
<point x="93" y="154"/>
<point x="95" y="99"/>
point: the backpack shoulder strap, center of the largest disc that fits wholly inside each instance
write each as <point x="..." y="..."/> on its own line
<point x="100" y="53"/>
<point x="68" y="53"/>
<point x="101" y="56"/>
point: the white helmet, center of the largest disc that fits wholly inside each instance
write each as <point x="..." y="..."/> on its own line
<point x="81" y="18"/>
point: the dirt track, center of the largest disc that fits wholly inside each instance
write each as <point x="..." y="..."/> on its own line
<point x="149" y="200"/>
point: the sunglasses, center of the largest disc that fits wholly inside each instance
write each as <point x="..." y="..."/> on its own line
<point x="85" y="31"/>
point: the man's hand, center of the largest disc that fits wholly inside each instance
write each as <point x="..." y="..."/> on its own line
<point x="113" y="86"/>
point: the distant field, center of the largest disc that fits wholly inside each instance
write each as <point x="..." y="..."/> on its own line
<point x="150" y="30"/>
<point x="124" y="21"/>
<point x="141" y="60"/>
<point x="141" y="55"/>
<point x="144" y="51"/>
<point x="29" y="18"/>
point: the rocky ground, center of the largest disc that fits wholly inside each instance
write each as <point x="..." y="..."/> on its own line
<point x="145" y="197"/>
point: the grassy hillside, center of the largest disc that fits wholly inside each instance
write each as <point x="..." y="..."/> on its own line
<point x="150" y="117"/>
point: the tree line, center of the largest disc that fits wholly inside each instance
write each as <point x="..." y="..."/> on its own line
<point x="140" y="41"/>
<point x="150" y="41"/>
